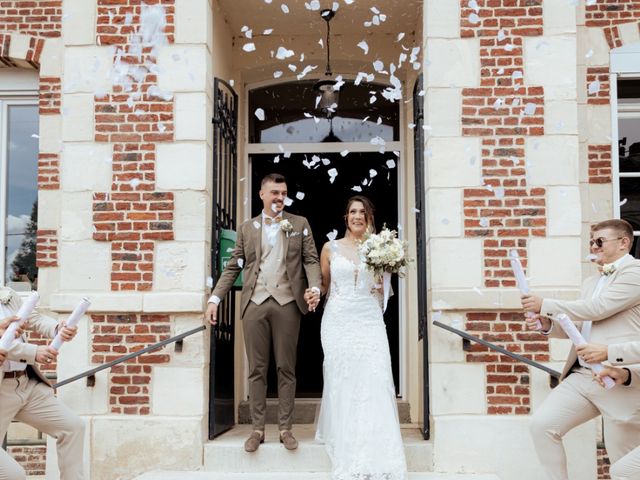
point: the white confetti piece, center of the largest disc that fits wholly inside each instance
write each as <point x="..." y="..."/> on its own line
<point x="249" y="47"/>
<point x="313" y="5"/>
<point x="326" y="161"/>
<point x="259" y="113"/>
<point x="530" y="108"/>
<point x="134" y="183"/>
<point x="484" y="222"/>
<point x="256" y="224"/>
<point x="499" y="192"/>
<point x="474" y="18"/>
<point x="210" y="282"/>
<point x="357" y="188"/>
<point x="300" y="195"/>
<point x="344" y="153"/>
<point x="378" y="65"/>
<point x="276" y="159"/>
<point x="305" y="232"/>
<point x="288" y="201"/>
<point x="594" y="87"/>
<point x="592" y="257"/>
<point x="589" y="54"/>
<point x="284" y="8"/>
<point x="333" y="173"/>
<point x="391" y="163"/>
<point x="241" y="262"/>
<point x="372" y="173"/>
<point x="332" y="235"/>
<point x="35" y="135"/>
<point x="283" y="53"/>
<point x="478" y="291"/>
<point x="501" y="35"/>
<point x="415" y="210"/>
<point x="624" y="201"/>
<point x="267" y="31"/>
<point x="364" y="46"/>
<point x="400" y="36"/>
<point x="277" y="74"/>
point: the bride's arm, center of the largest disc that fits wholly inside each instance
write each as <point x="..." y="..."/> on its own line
<point x="324" y="267"/>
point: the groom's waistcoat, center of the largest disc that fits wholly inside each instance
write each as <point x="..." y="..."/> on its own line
<point x="272" y="280"/>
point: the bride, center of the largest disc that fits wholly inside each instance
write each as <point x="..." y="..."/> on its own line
<point x="358" y="416"/>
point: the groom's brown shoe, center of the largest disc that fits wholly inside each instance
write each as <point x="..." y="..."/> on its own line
<point x="288" y="440"/>
<point x="253" y="442"/>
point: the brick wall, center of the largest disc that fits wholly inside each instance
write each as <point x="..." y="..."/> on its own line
<point x="41" y="18"/>
<point x="508" y="381"/>
<point x="608" y="14"/>
<point x="33" y="458"/>
<point x="133" y="118"/>
<point x="116" y="335"/>
<point x="599" y="157"/>
<point x="603" y="463"/>
<point x="47" y="248"/>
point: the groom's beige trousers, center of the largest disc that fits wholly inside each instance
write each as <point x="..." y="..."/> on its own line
<point x="32" y="402"/>
<point x="628" y="467"/>
<point x="577" y="400"/>
<point x="262" y="324"/>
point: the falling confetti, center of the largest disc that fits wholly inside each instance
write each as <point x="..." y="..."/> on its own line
<point x="332" y="235"/>
<point x="210" y="282"/>
<point x="344" y="153"/>
<point x="333" y="173"/>
<point x="594" y="87"/>
<point x="241" y="262"/>
<point x="256" y="224"/>
<point x="284" y="8"/>
<point x="283" y="53"/>
<point x="300" y="195"/>
<point x="474" y="18"/>
<point x="249" y="47"/>
<point x="624" y="201"/>
<point x="391" y="163"/>
<point x="259" y="113"/>
<point x="288" y="201"/>
<point x="364" y="46"/>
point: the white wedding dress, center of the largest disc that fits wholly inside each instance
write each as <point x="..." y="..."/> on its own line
<point x="358" y="419"/>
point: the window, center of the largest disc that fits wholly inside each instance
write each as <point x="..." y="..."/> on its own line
<point x="19" y="127"/>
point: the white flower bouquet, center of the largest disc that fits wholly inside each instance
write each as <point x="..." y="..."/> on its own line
<point x="384" y="253"/>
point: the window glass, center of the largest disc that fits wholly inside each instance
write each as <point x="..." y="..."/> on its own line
<point x="21" y="154"/>
<point x="291" y="116"/>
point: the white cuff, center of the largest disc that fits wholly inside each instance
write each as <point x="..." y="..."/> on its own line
<point x="548" y="332"/>
<point x="214" y="299"/>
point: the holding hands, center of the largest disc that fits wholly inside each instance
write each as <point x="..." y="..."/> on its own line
<point x="312" y="297"/>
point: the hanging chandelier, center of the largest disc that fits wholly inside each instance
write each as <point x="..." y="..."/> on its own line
<point x="329" y="94"/>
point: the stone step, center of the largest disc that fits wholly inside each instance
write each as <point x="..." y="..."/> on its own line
<point x="297" y="476"/>
<point x="226" y="454"/>
<point x="305" y="411"/>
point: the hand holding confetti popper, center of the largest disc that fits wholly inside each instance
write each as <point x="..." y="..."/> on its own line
<point x="23" y="313"/>
<point x="523" y="286"/>
<point x="576" y="337"/>
<point x="72" y="321"/>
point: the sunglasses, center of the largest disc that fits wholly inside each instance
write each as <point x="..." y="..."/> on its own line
<point x="598" y="242"/>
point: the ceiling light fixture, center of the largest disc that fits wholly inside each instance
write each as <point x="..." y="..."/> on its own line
<point x="327" y="90"/>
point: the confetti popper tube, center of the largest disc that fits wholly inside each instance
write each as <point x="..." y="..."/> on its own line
<point x="518" y="272"/>
<point x="576" y="337"/>
<point x="72" y="321"/>
<point x="25" y="310"/>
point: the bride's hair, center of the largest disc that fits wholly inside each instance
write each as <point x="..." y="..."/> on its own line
<point x="369" y="210"/>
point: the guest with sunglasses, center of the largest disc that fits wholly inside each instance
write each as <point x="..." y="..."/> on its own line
<point x="607" y="312"/>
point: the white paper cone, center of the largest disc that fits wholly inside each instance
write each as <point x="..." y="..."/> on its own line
<point x="576" y="337"/>
<point x="72" y="321"/>
<point x="25" y="310"/>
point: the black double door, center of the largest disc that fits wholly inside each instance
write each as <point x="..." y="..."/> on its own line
<point x="323" y="204"/>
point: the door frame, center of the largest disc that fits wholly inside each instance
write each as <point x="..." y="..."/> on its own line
<point x="249" y="149"/>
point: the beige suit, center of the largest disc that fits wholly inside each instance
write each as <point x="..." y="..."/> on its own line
<point x="272" y="301"/>
<point x="30" y="399"/>
<point x="615" y="313"/>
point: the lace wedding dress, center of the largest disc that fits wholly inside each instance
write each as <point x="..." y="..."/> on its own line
<point x="358" y="416"/>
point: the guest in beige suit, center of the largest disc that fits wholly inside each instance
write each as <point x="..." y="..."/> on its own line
<point x="607" y="313"/>
<point x="281" y="283"/>
<point x="27" y="396"/>
<point x="628" y="467"/>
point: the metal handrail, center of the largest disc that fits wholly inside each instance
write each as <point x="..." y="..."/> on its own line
<point x="150" y="348"/>
<point x="515" y="356"/>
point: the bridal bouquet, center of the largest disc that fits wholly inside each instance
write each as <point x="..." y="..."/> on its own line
<point x="384" y="253"/>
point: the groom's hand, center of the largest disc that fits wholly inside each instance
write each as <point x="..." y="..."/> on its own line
<point x="211" y="315"/>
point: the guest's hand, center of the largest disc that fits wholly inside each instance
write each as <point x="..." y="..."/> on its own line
<point x="531" y="303"/>
<point x="67" y="333"/>
<point x="5" y="322"/>
<point x="46" y="354"/>
<point x="3" y="356"/>
<point x="619" y="375"/>
<point x="532" y="323"/>
<point x="593" y="352"/>
<point x="211" y="315"/>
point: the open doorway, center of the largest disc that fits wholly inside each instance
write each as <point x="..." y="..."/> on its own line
<point x="323" y="202"/>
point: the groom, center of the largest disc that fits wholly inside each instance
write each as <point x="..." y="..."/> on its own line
<point x="279" y="258"/>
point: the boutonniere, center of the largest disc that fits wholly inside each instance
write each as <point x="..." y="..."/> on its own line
<point x="5" y="296"/>
<point x="285" y="226"/>
<point x="608" y="269"/>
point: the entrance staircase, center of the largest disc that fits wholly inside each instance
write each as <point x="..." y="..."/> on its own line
<point x="225" y="459"/>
